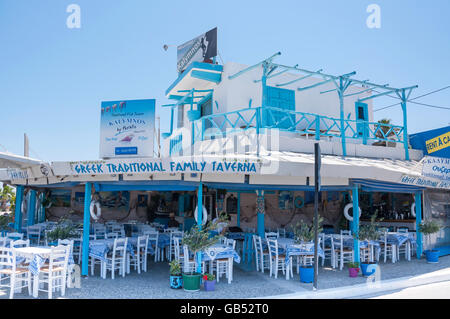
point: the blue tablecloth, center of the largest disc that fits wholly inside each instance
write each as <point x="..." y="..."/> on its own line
<point x="400" y="238"/>
<point x="38" y="261"/>
<point x="220" y="251"/>
<point x="236" y="236"/>
<point x="163" y="240"/>
<point x="100" y="247"/>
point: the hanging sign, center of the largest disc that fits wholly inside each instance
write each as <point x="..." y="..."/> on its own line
<point x="199" y="49"/>
<point x="436" y="167"/>
<point x="127" y="128"/>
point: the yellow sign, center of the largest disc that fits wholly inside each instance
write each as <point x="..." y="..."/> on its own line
<point x="438" y="143"/>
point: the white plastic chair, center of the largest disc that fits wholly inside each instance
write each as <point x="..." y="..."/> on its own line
<point x="117" y="259"/>
<point x="9" y="270"/>
<point x="55" y="272"/>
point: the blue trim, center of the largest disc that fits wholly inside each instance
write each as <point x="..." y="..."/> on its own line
<point x="31" y="210"/>
<point x="244" y="187"/>
<point x="207" y="76"/>
<point x="196" y="65"/>
<point x="86" y="227"/>
<point x="18" y="213"/>
<point x="199" y="221"/>
<point x="355" y="223"/>
<point x="260" y="216"/>
<point x="146" y="186"/>
<point x="238" y="218"/>
<point x="377" y="186"/>
<point x="419" y="235"/>
<point x="58" y="185"/>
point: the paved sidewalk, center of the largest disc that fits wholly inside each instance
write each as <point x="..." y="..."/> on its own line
<point x="250" y="284"/>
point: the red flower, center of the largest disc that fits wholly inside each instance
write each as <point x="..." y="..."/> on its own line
<point x="205" y="277"/>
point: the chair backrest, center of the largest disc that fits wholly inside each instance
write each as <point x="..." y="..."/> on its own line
<point x="231" y="243"/>
<point x="402" y="230"/>
<point x="20" y="243"/>
<point x="152" y="236"/>
<point x="8" y="258"/>
<point x="142" y="244"/>
<point x="346" y="232"/>
<point x="176" y="245"/>
<point x="59" y="257"/>
<point x="3" y="241"/>
<point x="273" y="247"/>
<point x="272" y="235"/>
<point x="281" y="232"/>
<point x="66" y="242"/>
<point x="120" y="247"/>
<point x="111" y="235"/>
<point x="15" y="235"/>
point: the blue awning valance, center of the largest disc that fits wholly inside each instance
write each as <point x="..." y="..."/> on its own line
<point x="377" y="186"/>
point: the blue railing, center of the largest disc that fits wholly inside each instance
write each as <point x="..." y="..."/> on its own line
<point x="259" y="118"/>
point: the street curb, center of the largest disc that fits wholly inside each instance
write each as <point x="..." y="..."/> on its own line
<point x="362" y="290"/>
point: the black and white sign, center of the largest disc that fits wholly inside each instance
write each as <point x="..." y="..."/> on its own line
<point x="200" y="49"/>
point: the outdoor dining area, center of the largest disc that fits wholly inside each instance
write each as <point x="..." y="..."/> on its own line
<point x="36" y="256"/>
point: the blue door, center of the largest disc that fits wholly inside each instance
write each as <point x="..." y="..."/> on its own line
<point x="284" y="100"/>
<point x="362" y="114"/>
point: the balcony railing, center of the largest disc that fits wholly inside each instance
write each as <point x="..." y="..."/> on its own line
<point x="260" y="118"/>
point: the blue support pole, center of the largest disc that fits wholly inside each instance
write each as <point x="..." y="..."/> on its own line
<point x="31" y="211"/>
<point x="355" y="225"/>
<point x="86" y="228"/>
<point x="18" y="213"/>
<point x="341" y="114"/>
<point x="181" y="205"/>
<point x="419" y="239"/>
<point x="260" y="211"/>
<point x="199" y="221"/>
<point x="405" y="127"/>
<point x="238" y="222"/>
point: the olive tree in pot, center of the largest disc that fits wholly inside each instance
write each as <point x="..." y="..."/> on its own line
<point x="304" y="235"/>
<point x="64" y="230"/>
<point x="176" y="279"/>
<point x="428" y="228"/>
<point x="368" y="233"/>
<point x="196" y="240"/>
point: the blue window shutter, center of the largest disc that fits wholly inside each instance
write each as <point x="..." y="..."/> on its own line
<point x="283" y="99"/>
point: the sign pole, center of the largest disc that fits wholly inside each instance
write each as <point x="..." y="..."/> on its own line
<point x="316" y="210"/>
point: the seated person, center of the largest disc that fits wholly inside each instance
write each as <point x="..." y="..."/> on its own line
<point x="172" y="221"/>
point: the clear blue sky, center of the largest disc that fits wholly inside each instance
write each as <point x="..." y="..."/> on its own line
<point x="53" y="79"/>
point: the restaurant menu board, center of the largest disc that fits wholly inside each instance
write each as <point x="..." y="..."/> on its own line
<point x="127" y="128"/>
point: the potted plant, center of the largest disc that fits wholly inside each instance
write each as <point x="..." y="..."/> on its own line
<point x="5" y="223"/>
<point x="369" y="233"/>
<point x="353" y="269"/>
<point x="196" y="240"/>
<point x="428" y="228"/>
<point x="176" y="279"/>
<point x="209" y="281"/>
<point x="304" y="234"/>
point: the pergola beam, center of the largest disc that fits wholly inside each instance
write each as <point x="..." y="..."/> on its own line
<point x="254" y="66"/>
<point x="296" y="80"/>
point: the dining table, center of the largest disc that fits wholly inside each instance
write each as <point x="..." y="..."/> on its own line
<point x="290" y="248"/>
<point x="221" y="251"/>
<point x="37" y="256"/>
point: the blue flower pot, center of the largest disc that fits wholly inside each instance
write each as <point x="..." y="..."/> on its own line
<point x="307" y="274"/>
<point x="364" y="270"/>
<point x="176" y="282"/>
<point x="209" y="285"/>
<point x="432" y="256"/>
